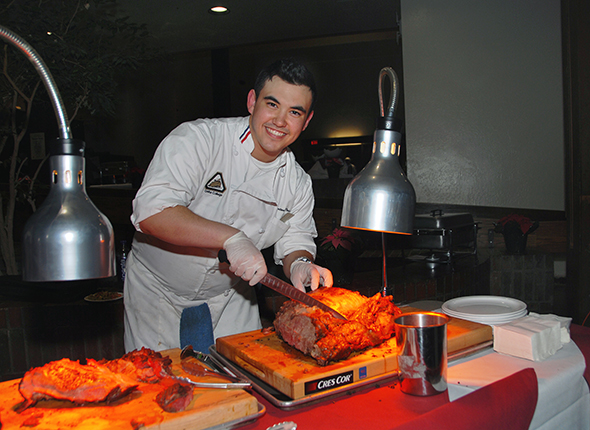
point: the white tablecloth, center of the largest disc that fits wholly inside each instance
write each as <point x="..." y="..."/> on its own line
<point x="564" y="397"/>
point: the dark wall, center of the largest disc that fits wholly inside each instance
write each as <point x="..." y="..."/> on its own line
<point x="576" y="68"/>
<point x="187" y="86"/>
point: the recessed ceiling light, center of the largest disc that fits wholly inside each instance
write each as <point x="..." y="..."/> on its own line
<point x="219" y="10"/>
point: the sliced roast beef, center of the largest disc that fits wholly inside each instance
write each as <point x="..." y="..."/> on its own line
<point x="143" y="365"/>
<point x="318" y="334"/>
<point x="176" y="397"/>
<point x="69" y="380"/>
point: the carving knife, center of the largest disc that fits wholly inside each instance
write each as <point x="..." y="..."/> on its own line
<point x="289" y="290"/>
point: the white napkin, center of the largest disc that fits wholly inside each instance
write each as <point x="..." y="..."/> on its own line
<point x="565" y="323"/>
<point x="533" y="337"/>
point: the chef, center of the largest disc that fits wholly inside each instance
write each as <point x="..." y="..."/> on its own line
<point x="231" y="184"/>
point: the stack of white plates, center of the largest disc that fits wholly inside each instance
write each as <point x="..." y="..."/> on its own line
<point x="489" y="310"/>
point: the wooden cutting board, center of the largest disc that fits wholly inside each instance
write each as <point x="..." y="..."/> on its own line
<point x="210" y="407"/>
<point x="296" y="375"/>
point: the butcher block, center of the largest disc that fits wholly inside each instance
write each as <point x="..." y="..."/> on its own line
<point x="209" y="408"/>
<point x="296" y="375"/>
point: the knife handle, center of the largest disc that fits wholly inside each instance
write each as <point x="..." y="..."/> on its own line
<point x="222" y="256"/>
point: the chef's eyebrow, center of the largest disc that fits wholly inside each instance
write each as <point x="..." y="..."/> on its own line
<point x="299" y="108"/>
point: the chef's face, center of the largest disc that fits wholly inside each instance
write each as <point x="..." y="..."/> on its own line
<point x="278" y="116"/>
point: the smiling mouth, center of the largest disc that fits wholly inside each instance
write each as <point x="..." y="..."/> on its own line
<point x="275" y="133"/>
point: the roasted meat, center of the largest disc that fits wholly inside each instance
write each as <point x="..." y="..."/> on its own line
<point x="143" y="365"/>
<point x="69" y="380"/>
<point x="176" y="397"/>
<point x="325" y="338"/>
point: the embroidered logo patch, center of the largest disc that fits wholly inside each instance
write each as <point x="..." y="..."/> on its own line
<point x="216" y="184"/>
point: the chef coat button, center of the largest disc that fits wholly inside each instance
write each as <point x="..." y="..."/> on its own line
<point x="282" y="172"/>
<point x="226" y="293"/>
<point x="261" y="231"/>
<point x="230" y="221"/>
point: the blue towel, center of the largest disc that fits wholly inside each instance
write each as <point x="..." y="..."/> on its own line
<point x="196" y="328"/>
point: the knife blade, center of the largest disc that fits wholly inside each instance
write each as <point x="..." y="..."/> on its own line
<point x="289" y="290"/>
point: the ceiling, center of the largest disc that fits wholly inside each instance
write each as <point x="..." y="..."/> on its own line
<point x="186" y="25"/>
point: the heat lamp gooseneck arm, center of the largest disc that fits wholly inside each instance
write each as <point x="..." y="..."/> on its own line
<point x="46" y="77"/>
<point x="389" y="72"/>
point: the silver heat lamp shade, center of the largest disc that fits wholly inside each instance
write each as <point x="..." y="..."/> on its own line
<point x="380" y="197"/>
<point x="67" y="238"/>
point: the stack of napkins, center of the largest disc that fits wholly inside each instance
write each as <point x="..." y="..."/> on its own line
<point x="533" y="337"/>
<point x="564" y="322"/>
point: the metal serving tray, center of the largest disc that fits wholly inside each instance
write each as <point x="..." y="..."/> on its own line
<point x="445" y="238"/>
<point x="438" y="220"/>
<point x="282" y="401"/>
<point x="447" y="233"/>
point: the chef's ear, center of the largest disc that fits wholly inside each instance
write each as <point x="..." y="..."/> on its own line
<point x="251" y="100"/>
<point x="307" y="120"/>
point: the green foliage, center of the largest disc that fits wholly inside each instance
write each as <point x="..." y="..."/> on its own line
<point x="85" y="46"/>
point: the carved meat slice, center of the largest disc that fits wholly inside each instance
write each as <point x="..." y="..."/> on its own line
<point x="176" y="397"/>
<point x="325" y="338"/>
<point x="143" y="365"/>
<point x="69" y="380"/>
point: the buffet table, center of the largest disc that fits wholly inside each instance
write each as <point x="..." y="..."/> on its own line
<point x="486" y="390"/>
<point x="563" y="395"/>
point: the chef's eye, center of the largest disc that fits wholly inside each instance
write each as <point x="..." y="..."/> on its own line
<point x="271" y="104"/>
<point x="296" y="113"/>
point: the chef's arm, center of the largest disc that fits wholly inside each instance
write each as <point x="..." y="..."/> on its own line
<point x="180" y="226"/>
<point x="303" y="273"/>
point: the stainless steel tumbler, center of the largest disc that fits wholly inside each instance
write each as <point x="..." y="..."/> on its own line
<point x="422" y="352"/>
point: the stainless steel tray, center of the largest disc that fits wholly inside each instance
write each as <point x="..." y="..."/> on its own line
<point x="437" y="220"/>
<point x="283" y="401"/>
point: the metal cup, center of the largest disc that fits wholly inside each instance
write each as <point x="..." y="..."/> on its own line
<point x="422" y="352"/>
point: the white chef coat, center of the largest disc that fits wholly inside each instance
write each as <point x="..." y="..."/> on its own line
<point x="206" y="165"/>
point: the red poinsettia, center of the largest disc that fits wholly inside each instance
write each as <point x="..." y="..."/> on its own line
<point x="524" y="222"/>
<point x="339" y="237"/>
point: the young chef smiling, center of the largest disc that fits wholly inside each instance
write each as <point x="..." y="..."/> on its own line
<point x="232" y="184"/>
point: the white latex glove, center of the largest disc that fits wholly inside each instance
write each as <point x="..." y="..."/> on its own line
<point x="245" y="260"/>
<point x="305" y="274"/>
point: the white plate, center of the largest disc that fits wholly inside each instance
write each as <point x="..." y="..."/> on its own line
<point x="485" y="309"/>
<point x="486" y="316"/>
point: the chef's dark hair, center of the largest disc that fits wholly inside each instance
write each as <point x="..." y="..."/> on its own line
<point x="289" y="70"/>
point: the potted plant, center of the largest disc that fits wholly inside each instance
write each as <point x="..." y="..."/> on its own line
<point x="338" y="252"/>
<point x="515" y="229"/>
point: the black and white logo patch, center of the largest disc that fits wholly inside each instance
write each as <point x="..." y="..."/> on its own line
<point x="216" y="184"/>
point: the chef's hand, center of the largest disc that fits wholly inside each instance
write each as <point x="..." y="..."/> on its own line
<point x="306" y="274"/>
<point x="245" y="260"/>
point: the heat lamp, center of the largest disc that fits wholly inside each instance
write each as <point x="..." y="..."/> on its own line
<point x="380" y="197"/>
<point x="67" y="238"/>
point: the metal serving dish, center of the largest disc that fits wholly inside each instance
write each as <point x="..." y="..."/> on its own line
<point x="446" y="233"/>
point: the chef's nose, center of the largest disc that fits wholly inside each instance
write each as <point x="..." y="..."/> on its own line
<point x="280" y="118"/>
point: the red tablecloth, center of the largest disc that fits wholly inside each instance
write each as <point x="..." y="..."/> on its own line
<point x="509" y="403"/>
<point x="581" y="336"/>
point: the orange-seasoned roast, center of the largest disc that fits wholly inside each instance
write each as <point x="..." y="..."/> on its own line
<point x="325" y="338"/>
<point x="69" y="380"/>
